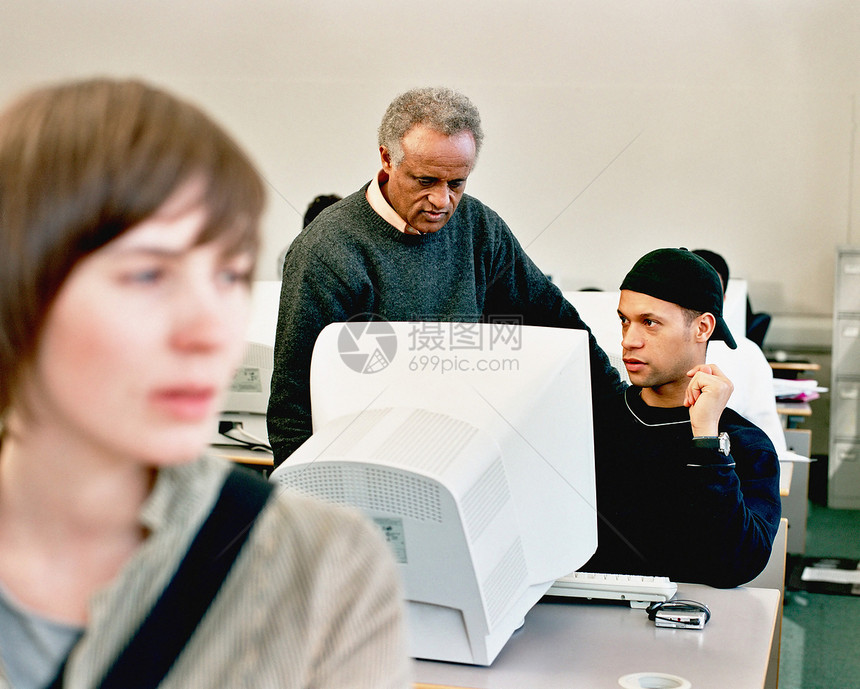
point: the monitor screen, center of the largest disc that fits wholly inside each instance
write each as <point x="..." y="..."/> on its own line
<point x="471" y="446"/>
<point x="242" y="421"/>
<point x="600" y="311"/>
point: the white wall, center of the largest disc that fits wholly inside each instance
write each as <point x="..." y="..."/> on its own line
<point x="612" y="126"/>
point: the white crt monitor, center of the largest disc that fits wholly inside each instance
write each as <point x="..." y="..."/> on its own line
<point x="471" y="446"/>
<point x="247" y="398"/>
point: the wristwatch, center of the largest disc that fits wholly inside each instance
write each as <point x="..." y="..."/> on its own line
<point x="713" y="442"/>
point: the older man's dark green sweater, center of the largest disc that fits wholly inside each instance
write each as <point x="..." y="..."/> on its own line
<point x="350" y="263"/>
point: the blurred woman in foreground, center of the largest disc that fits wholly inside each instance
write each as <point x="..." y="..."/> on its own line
<point x="128" y="240"/>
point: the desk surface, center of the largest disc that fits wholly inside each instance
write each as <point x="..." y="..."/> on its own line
<point x="794" y="365"/>
<point x="581" y="643"/>
<point x="791" y="408"/>
<point x="242" y="456"/>
<point x="786" y="471"/>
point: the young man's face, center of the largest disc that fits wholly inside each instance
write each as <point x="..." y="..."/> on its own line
<point x="659" y="342"/>
<point x="427" y="185"/>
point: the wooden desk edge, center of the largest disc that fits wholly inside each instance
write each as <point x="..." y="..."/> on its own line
<point x="793" y="408"/>
<point x="794" y="366"/>
<point x="786" y="470"/>
<point x="263" y="459"/>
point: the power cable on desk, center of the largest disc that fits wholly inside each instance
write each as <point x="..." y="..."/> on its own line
<point x="232" y="429"/>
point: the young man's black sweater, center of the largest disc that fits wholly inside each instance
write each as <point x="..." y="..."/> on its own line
<point x="667" y="508"/>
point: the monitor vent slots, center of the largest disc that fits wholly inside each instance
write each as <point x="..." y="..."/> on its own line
<point x="484" y="500"/>
<point x="355" y="431"/>
<point x="503" y="581"/>
<point x="372" y="488"/>
<point x="426" y="441"/>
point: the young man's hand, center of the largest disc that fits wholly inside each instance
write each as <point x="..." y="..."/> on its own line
<point x="707" y="395"/>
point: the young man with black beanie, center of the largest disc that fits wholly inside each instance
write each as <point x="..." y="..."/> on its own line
<point x="686" y="488"/>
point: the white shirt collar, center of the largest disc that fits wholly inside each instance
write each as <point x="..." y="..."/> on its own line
<point x="378" y="203"/>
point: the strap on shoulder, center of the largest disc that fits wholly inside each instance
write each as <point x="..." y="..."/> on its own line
<point x="152" y="651"/>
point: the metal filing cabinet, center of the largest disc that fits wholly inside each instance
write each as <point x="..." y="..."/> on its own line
<point x="843" y="486"/>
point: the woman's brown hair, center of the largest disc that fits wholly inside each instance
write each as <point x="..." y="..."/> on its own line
<point x="80" y="164"/>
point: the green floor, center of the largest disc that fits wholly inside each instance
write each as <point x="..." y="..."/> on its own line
<point x="821" y="633"/>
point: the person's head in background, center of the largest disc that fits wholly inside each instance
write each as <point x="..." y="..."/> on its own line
<point x="128" y="237"/>
<point x="716" y="262"/>
<point x="670" y="306"/>
<point x="429" y="140"/>
<point x="317" y="206"/>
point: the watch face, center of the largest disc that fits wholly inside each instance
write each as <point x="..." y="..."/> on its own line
<point x="720" y="443"/>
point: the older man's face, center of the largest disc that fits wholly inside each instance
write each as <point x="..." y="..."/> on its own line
<point x="427" y="185"/>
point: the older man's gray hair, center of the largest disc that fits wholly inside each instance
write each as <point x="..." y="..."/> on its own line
<point x="441" y="109"/>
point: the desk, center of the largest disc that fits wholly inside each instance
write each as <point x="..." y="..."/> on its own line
<point x="795" y="503"/>
<point x="791" y="369"/>
<point x="793" y="412"/>
<point x="256" y="459"/>
<point x="786" y="471"/>
<point x="579" y="643"/>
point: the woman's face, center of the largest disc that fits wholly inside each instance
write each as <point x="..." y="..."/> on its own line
<point x="141" y="340"/>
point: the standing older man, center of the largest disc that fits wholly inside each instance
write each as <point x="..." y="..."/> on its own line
<point x="380" y="254"/>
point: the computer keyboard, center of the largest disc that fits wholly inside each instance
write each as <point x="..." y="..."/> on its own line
<point x="640" y="591"/>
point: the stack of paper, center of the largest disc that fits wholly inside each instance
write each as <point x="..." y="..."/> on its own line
<point x="796" y="390"/>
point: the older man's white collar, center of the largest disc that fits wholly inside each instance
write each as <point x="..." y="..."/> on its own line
<point x="378" y="203"/>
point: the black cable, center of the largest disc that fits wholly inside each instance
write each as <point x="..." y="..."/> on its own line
<point x="225" y="428"/>
<point x="677" y="606"/>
